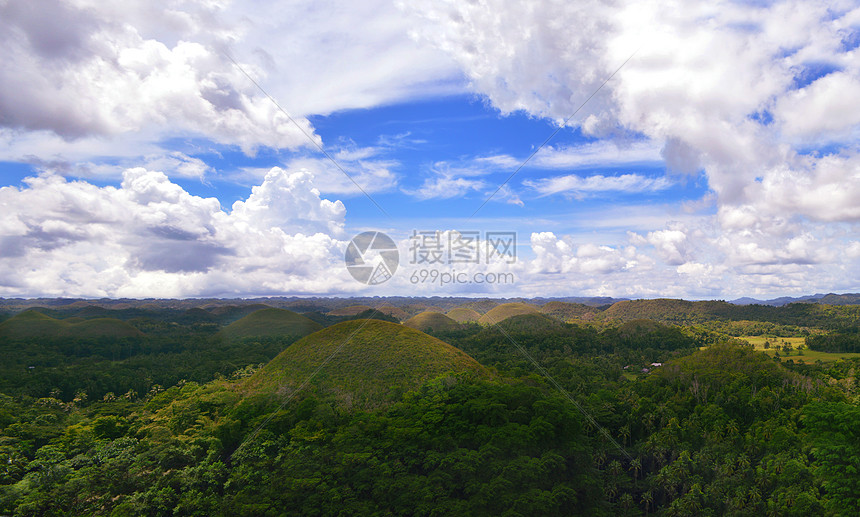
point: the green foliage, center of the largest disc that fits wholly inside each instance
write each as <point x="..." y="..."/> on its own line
<point x="429" y="321"/>
<point x="835" y="436"/>
<point x="397" y="422"/>
<point x="270" y="323"/>
<point x="464" y="315"/>
<point x="846" y="342"/>
<point x="504" y="311"/>
<point x="566" y="311"/>
<point x="29" y="325"/>
<point x="363" y="362"/>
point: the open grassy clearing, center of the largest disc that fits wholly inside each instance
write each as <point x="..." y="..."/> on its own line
<point x="805" y="356"/>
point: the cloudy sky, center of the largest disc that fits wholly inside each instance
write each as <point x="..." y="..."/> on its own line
<point x="214" y="148"/>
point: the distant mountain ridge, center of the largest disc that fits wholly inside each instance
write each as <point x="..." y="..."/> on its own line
<point x="825" y="299"/>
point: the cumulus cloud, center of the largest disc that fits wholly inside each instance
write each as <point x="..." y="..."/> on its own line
<point x="149" y="237"/>
<point x="85" y="70"/>
<point x="670" y="244"/>
<point x="756" y="96"/>
<point x="364" y="171"/>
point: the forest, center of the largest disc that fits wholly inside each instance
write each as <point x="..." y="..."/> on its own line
<point x="659" y="407"/>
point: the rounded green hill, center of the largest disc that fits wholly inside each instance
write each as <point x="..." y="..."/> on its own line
<point x="361" y="363"/>
<point x="505" y="311"/>
<point x="667" y="310"/>
<point x="395" y="312"/>
<point x="431" y="320"/>
<point x="270" y="323"/>
<point x="567" y="311"/>
<point x="464" y="314"/>
<point x="34" y="324"/>
<point x="351" y="310"/>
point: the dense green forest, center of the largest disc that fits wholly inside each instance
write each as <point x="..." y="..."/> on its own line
<point x="248" y="410"/>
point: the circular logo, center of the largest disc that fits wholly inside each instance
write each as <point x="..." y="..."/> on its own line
<point x="371" y="257"/>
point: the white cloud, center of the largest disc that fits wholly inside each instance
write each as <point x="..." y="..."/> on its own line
<point x="85" y="70"/>
<point x="824" y="108"/>
<point x="670" y="245"/>
<point x="445" y="187"/>
<point x="95" y="87"/>
<point x="579" y="186"/>
<point x="326" y="56"/>
<point x="601" y="153"/>
<point x="149" y="237"/>
<point x="365" y="171"/>
<point x="741" y="91"/>
<point x="446" y="181"/>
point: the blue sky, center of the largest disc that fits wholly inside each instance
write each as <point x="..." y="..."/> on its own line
<point x="720" y="161"/>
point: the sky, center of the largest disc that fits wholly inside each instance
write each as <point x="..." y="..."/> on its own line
<point x="208" y="148"/>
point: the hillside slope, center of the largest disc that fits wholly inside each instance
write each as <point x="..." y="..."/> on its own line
<point x="431" y="320"/>
<point x="567" y="311"/>
<point x="364" y="363"/>
<point x="463" y="314"/>
<point x="35" y="325"/>
<point x="269" y="323"/>
<point x="505" y="311"/>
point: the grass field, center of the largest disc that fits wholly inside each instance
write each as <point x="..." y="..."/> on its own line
<point x="809" y="356"/>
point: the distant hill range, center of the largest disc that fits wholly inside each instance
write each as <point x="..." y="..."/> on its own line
<point x="217" y="312"/>
<point x="825" y="299"/>
<point x="410" y="306"/>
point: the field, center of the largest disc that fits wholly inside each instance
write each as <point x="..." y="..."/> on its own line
<point x="807" y="357"/>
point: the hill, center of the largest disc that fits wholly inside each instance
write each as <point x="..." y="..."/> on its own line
<point x="719" y="366"/>
<point x="505" y="311"/>
<point x="351" y="310"/>
<point x="368" y="363"/>
<point x="669" y="310"/>
<point x="481" y="306"/>
<point x="464" y="314"/>
<point x="528" y="323"/>
<point x="649" y="334"/>
<point x="35" y="325"/>
<point x="270" y="323"/>
<point x="231" y="313"/>
<point x="567" y="311"/>
<point x="395" y="312"/>
<point x="840" y="299"/>
<point x="430" y="320"/>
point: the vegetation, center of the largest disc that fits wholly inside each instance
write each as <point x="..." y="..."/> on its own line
<point x="270" y="322"/>
<point x="351" y="310"/>
<point x="463" y="315"/>
<point x="35" y="325"/>
<point x="566" y="311"/>
<point x="428" y="321"/>
<point x="395" y="312"/>
<point x="505" y="311"/>
<point x="361" y="363"/>
<point x="531" y="416"/>
<point x="836" y="342"/>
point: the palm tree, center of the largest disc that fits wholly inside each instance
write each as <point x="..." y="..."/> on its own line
<point x="647" y="498"/>
<point x="636" y="467"/>
<point x="626" y="502"/>
<point x="624" y="432"/>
